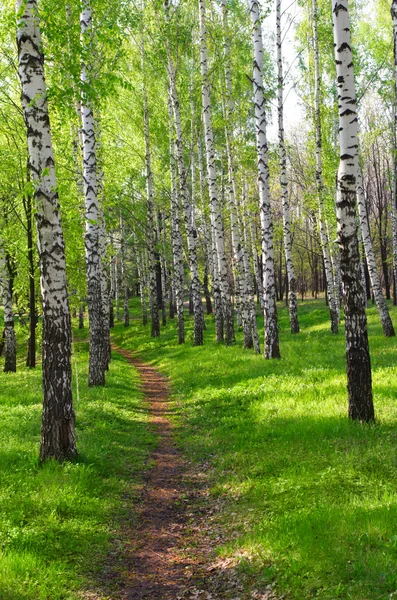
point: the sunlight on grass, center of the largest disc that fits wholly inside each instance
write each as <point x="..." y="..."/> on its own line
<point x="311" y="495"/>
<point x="57" y="521"/>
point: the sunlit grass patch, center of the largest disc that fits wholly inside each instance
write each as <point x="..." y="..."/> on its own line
<point x="57" y="521"/>
<point x="311" y="497"/>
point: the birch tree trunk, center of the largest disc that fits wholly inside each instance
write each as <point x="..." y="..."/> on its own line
<point x="191" y="232"/>
<point x="151" y="226"/>
<point x="359" y="381"/>
<point x="215" y="208"/>
<point x="58" y="420"/>
<point x="257" y="271"/>
<point x="293" y="306"/>
<point x="176" y="237"/>
<point x="242" y="297"/>
<point x="388" y="329"/>
<point x="124" y="273"/>
<point x="394" y="162"/>
<point x="272" y="349"/>
<point x="143" y="286"/>
<point x="102" y="250"/>
<point x="97" y="361"/>
<point x="10" y="350"/>
<point x="319" y="180"/>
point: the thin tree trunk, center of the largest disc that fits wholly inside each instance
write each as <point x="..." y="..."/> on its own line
<point x="394" y="162"/>
<point x="151" y="231"/>
<point x="272" y="349"/>
<point x="319" y="179"/>
<point x="215" y="208"/>
<point x="241" y="288"/>
<point x="98" y="355"/>
<point x="124" y="278"/>
<point x="81" y="317"/>
<point x="31" y="357"/>
<point x="58" y="420"/>
<point x="10" y="349"/>
<point x="293" y="305"/>
<point x="387" y="325"/>
<point x="191" y="233"/>
<point x="359" y="380"/>
<point x="176" y="237"/>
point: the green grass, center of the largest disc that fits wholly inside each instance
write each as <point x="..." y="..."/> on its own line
<point x="57" y="521"/>
<point x="312" y="495"/>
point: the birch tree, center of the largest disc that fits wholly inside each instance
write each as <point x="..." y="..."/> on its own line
<point x="359" y="379"/>
<point x="58" y="418"/>
<point x="387" y="325"/>
<point x="215" y="208"/>
<point x="319" y="180"/>
<point x="176" y="236"/>
<point x="151" y="226"/>
<point x="98" y="350"/>
<point x="241" y="274"/>
<point x="10" y="349"/>
<point x="293" y="306"/>
<point x="187" y="209"/>
<point x="269" y="290"/>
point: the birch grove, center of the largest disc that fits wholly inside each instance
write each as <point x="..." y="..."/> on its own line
<point x="206" y="160"/>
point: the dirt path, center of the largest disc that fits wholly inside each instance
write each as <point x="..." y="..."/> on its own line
<point x="169" y="553"/>
<point x="156" y="570"/>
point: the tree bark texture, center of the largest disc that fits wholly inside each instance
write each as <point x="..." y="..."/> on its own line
<point x="58" y="419"/>
<point x="319" y="180"/>
<point x="293" y="305"/>
<point x="98" y="355"/>
<point x="10" y="349"/>
<point x="359" y="379"/>
<point x="387" y="325"/>
<point x="272" y="349"/>
<point x="215" y="207"/>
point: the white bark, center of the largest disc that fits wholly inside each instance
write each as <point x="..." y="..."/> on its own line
<point x="176" y="238"/>
<point x="394" y="167"/>
<point x="10" y="350"/>
<point x="151" y="226"/>
<point x="272" y="349"/>
<point x="124" y="279"/>
<point x="357" y="350"/>
<point x="215" y="208"/>
<point x="188" y="208"/>
<point x="98" y="349"/>
<point x="242" y="294"/>
<point x="320" y="184"/>
<point x="293" y="306"/>
<point x="58" y="421"/>
<point x="388" y="329"/>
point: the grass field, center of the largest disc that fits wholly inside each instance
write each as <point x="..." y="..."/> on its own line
<point x="312" y="497"/>
<point x="57" y="522"/>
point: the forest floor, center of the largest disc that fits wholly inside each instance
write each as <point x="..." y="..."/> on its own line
<point x="244" y="479"/>
<point x="170" y="551"/>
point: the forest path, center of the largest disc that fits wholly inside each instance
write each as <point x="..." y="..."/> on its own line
<point x="169" y="549"/>
<point x="156" y="569"/>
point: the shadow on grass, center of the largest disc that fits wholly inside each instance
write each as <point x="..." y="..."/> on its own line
<point x="310" y="494"/>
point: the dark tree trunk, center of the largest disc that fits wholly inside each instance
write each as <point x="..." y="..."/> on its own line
<point x="31" y="357"/>
<point x="207" y="295"/>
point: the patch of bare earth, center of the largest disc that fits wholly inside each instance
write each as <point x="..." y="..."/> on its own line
<point x="168" y="549"/>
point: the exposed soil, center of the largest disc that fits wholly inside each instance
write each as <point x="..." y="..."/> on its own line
<point x="168" y="550"/>
<point x="156" y="568"/>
